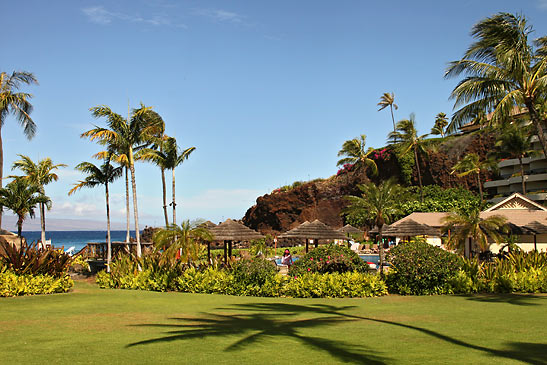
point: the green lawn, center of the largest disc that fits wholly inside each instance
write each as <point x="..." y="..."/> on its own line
<point x="91" y="325"/>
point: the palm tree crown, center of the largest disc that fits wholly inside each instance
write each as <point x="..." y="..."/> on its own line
<point x="21" y="198"/>
<point x="441" y="121"/>
<point x="17" y="103"/>
<point x="471" y="164"/>
<point x="406" y="135"/>
<point x="501" y="71"/>
<point x="380" y="203"/>
<point x="388" y="99"/>
<point x="516" y="142"/>
<point x="464" y="226"/>
<point x="357" y="154"/>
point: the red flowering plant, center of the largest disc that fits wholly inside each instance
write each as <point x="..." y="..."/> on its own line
<point x="345" y="169"/>
<point x="327" y="259"/>
<point x="384" y="154"/>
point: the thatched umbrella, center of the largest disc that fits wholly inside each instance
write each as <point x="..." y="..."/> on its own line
<point x="315" y="230"/>
<point x="230" y="231"/>
<point x="348" y="229"/>
<point x="208" y="224"/>
<point x="411" y="228"/>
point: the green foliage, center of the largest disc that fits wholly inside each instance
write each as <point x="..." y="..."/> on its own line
<point x="328" y="259"/>
<point x="261" y="247"/>
<point x="335" y="285"/>
<point x="251" y="275"/>
<point x="29" y="260"/>
<point x="437" y="199"/>
<point x="519" y="272"/>
<point x="12" y="284"/>
<point x="419" y="268"/>
<point x="256" y="277"/>
<point x="406" y="166"/>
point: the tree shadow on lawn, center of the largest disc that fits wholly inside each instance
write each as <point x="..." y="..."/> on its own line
<point x="515" y="299"/>
<point x="259" y="326"/>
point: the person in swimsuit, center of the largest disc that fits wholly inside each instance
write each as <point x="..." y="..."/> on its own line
<point x="287" y="258"/>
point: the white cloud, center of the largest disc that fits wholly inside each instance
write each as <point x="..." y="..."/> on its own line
<point x="220" y="15"/>
<point x="100" y="15"/>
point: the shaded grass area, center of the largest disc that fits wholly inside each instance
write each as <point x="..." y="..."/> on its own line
<point x="91" y="325"/>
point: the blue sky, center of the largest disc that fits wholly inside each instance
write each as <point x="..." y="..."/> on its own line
<point x="267" y="91"/>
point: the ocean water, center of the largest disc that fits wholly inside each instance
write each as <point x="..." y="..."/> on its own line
<point x="78" y="239"/>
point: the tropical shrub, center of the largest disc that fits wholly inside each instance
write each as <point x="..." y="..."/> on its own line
<point x="328" y="259"/>
<point x="251" y="275"/>
<point x="12" y="284"/>
<point x="418" y="268"/>
<point x="437" y="199"/>
<point x="29" y="260"/>
<point x="335" y="285"/>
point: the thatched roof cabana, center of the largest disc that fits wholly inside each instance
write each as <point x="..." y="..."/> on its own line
<point x="208" y="224"/>
<point x="348" y="228"/>
<point x="315" y="230"/>
<point x="229" y="231"/>
<point x="411" y="228"/>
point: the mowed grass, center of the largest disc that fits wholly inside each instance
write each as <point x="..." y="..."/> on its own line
<point x="92" y="325"/>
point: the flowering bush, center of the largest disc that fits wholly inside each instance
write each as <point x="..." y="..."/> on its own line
<point x="328" y="259"/>
<point x="382" y="154"/>
<point x="345" y="169"/>
<point x="12" y="284"/>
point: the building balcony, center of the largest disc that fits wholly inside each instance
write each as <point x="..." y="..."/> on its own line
<point x="516" y="180"/>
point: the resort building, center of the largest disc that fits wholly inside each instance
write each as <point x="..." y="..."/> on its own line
<point x="526" y="218"/>
<point x="510" y="179"/>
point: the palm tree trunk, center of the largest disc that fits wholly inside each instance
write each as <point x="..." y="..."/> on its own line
<point x="20" y="229"/>
<point x="43" y="223"/>
<point x="392" y="117"/>
<point x="419" y="175"/>
<point x="135" y="206"/>
<point x="522" y="176"/>
<point x="108" y="242"/>
<point x="164" y="197"/>
<point x="1" y="167"/>
<point x="127" y="213"/>
<point x="480" y="185"/>
<point x="174" y="204"/>
<point x="534" y="117"/>
<point x="381" y="246"/>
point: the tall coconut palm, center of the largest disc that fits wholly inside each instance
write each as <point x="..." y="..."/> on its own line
<point x="100" y="175"/>
<point x="380" y="203"/>
<point x="516" y="142"/>
<point x="169" y="158"/>
<point x="184" y="240"/>
<point x="470" y="226"/>
<point x="21" y="197"/>
<point x="501" y="70"/>
<point x="407" y="135"/>
<point x="132" y="133"/>
<point x="357" y="154"/>
<point x="17" y="103"/>
<point x="441" y="121"/>
<point x="39" y="174"/>
<point x="388" y="99"/>
<point x="472" y="164"/>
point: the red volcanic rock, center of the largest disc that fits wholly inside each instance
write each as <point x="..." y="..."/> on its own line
<point x="280" y="211"/>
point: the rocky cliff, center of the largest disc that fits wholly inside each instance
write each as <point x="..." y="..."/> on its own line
<point x="324" y="200"/>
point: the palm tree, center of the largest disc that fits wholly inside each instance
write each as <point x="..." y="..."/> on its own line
<point x="17" y="103"/>
<point x="168" y="158"/>
<point x="386" y="100"/>
<point x="470" y="226"/>
<point x="184" y="239"/>
<point x="40" y="175"/>
<point x="501" y="71"/>
<point x="21" y="197"/>
<point x="407" y="134"/>
<point x="441" y="121"/>
<point x="132" y="134"/>
<point x="103" y="175"/>
<point x="380" y="203"/>
<point x="356" y="154"/>
<point x="471" y="164"/>
<point x="515" y="142"/>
